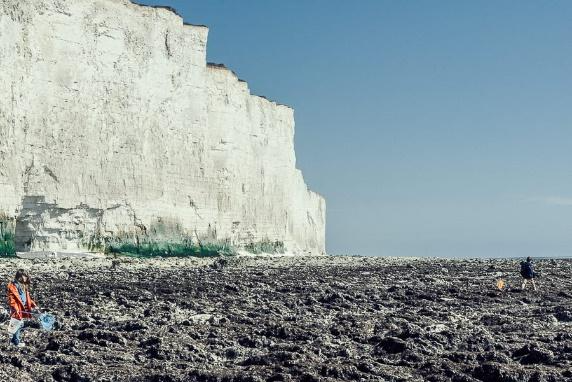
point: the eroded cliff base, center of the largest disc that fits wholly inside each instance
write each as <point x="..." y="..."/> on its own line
<point x="293" y="319"/>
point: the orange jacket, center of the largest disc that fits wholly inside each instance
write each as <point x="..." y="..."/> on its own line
<point x="17" y="308"/>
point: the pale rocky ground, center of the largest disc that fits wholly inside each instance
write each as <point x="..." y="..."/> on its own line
<point x="112" y="122"/>
<point x="295" y="319"/>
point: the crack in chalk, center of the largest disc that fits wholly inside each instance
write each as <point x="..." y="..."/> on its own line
<point x="194" y="207"/>
<point x="167" y="46"/>
<point x="48" y="171"/>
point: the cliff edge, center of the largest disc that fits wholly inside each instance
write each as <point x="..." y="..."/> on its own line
<point x="113" y="126"/>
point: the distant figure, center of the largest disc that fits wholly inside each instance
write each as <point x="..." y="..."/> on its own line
<point x="527" y="272"/>
<point x="21" y="306"/>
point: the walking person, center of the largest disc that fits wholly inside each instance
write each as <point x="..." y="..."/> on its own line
<point x="21" y="306"/>
<point x="527" y="273"/>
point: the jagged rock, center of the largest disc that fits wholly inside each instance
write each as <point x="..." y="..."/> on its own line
<point x="496" y="372"/>
<point x="183" y="323"/>
<point x="534" y="355"/>
<point x="392" y="345"/>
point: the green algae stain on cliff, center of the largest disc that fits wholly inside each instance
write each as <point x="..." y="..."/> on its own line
<point x="7" y="246"/>
<point x="266" y="246"/>
<point x="168" y="238"/>
<point x="166" y="249"/>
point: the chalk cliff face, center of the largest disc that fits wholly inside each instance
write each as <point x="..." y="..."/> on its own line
<point x="112" y="123"/>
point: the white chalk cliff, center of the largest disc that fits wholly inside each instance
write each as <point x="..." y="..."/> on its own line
<point x="112" y="122"/>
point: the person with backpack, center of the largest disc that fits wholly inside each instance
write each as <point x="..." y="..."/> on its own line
<point x="527" y="273"/>
<point x="21" y="306"/>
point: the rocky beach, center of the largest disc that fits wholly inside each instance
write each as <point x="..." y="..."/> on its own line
<point x="293" y="319"/>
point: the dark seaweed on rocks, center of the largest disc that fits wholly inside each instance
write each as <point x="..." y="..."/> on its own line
<point x="294" y="319"/>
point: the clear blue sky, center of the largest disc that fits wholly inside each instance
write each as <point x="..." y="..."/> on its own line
<point x="437" y="128"/>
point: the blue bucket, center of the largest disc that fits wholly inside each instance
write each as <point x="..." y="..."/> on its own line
<point x="47" y="321"/>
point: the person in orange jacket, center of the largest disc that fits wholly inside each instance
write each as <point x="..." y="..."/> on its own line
<point x="21" y="305"/>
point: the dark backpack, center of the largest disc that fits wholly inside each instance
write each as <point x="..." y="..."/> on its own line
<point x="526" y="270"/>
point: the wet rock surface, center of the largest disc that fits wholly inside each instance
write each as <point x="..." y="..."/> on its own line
<point x="294" y="319"/>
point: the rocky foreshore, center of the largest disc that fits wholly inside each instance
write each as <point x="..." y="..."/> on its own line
<point x="293" y="319"/>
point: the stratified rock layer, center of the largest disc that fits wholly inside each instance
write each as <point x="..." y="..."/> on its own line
<point x="112" y="123"/>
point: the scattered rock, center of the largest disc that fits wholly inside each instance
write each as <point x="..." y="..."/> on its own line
<point x="392" y="345"/>
<point x="281" y="319"/>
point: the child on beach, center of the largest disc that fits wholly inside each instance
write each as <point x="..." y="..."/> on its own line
<point x="21" y="306"/>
